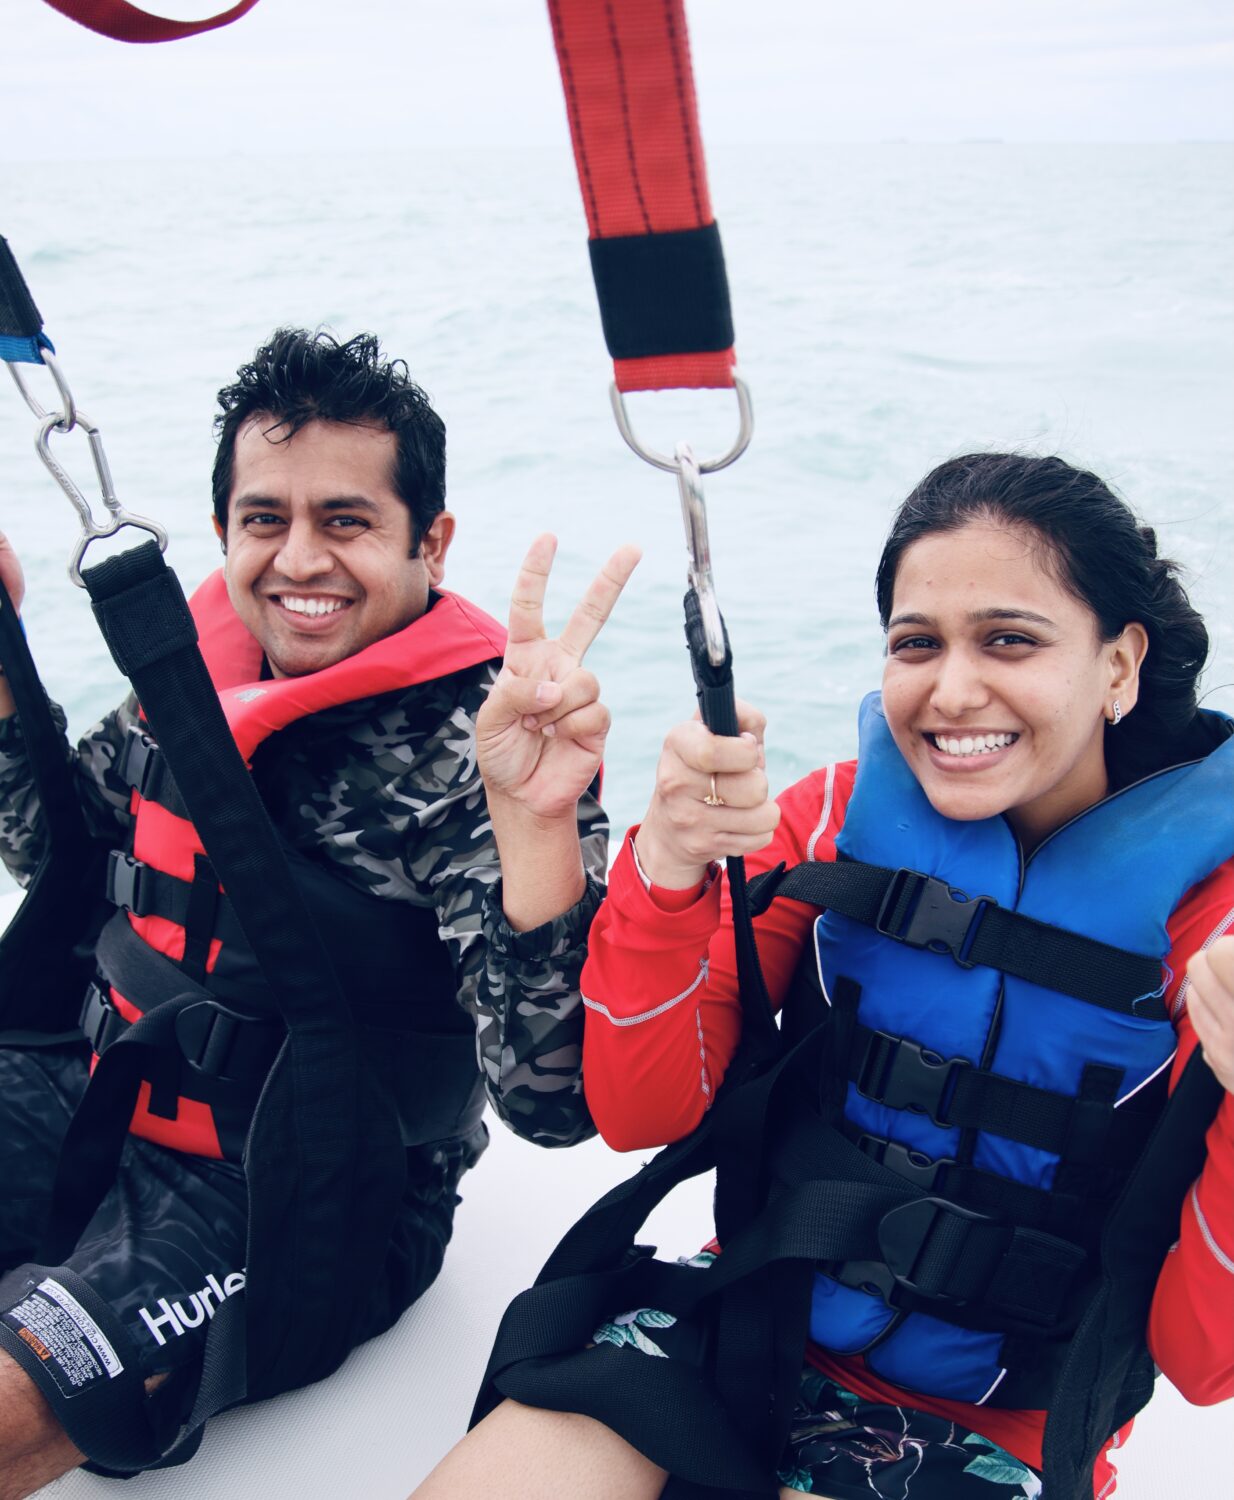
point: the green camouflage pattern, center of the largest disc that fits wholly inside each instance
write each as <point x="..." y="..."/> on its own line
<point x="386" y="792"/>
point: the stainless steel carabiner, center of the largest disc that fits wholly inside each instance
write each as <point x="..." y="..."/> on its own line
<point x="91" y="529"/>
<point x="698" y="548"/>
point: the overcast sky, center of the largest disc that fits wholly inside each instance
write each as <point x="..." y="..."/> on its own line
<point x="342" y="75"/>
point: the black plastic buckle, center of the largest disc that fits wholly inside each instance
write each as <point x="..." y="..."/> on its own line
<point x="904" y="1235"/>
<point x="223" y="1044"/>
<point x="137" y="760"/>
<point x="123" y="886"/>
<point x="913" y="1166"/>
<point x="931" y="914"/>
<point x="903" y="1075"/>
<point x="100" y="1021"/>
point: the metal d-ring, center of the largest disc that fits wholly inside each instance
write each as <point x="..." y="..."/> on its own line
<point x="91" y="530"/>
<point x="66" y="418"/>
<point x="745" y="431"/>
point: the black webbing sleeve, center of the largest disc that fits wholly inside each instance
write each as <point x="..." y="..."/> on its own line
<point x="19" y="318"/>
<point x="997" y="938"/>
<point x="46" y="747"/>
<point x="663" y="293"/>
<point x="44" y="963"/>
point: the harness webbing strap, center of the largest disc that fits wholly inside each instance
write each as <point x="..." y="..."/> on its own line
<point x="655" y="249"/>
<point x="923" y="912"/>
<point x="129" y="23"/>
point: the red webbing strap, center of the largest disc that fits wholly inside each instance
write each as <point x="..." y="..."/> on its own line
<point x="629" y="89"/>
<point x="127" y="23"/>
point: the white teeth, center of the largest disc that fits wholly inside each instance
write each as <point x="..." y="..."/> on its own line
<point x="980" y="744"/>
<point x="310" y="606"/>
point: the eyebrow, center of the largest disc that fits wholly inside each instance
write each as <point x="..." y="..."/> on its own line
<point x="336" y="502"/>
<point x="977" y="617"/>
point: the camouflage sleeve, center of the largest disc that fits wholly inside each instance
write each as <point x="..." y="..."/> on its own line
<point x="522" y="989"/>
<point x="104" y="797"/>
<point x="529" y="1010"/>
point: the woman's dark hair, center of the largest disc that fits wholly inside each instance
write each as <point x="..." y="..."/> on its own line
<point x="299" y="377"/>
<point x="1101" y="555"/>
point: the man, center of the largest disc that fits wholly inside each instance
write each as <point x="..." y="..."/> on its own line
<point x="353" y="688"/>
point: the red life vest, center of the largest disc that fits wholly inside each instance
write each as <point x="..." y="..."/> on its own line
<point x="451" y="637"/>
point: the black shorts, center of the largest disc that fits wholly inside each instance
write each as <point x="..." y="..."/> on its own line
<point x="164" y="1249"/>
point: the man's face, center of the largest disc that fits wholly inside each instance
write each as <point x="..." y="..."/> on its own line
<point x="319" y="543"/>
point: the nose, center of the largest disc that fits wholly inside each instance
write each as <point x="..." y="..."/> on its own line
<point x="303" y="554"/>
<point x="959" y="685"/>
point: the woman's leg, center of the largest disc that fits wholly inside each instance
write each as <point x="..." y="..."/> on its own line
<point x="542" y="1455"/>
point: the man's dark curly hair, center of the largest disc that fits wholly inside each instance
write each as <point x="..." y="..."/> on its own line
<point x="299" y="377"/>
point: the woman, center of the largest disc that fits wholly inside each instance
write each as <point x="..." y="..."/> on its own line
<point x="1038" y="743"/>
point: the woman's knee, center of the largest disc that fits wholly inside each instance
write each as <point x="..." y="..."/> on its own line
<point x="543" y="1455"/>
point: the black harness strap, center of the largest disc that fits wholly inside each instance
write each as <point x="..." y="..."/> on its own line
<point x="41" y="981"/>
<point x="1108" y="1375"/>
<point x="925" y="912"/>
<point x="328" y="1176"/>
<point x="953" y="1092"/>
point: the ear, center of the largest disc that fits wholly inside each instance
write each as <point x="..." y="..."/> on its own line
<point x="434" y="545"/>
<point x="220" y="533"/>
<point x="1127" y="655"/>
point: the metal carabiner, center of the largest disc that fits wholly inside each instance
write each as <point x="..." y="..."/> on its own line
<point x="90" y="529"/>
<point x="698" y="547"/>
<point x="67" y="417"/>
<point x="745" y="431"/>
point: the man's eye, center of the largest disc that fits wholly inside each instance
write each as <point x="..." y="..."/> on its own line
<point x="260" y="520"/>
<point x="346" y="523"/>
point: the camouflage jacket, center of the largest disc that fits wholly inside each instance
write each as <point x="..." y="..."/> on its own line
<point x="386" y="792"/>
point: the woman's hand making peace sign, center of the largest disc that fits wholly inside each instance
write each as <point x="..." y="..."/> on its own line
<point x="540" y="737"/>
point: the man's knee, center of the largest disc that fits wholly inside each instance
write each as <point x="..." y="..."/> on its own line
<point x="34" y="1448"/>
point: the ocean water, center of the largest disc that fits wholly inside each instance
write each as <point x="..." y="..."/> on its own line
<point x="894" y="305"/>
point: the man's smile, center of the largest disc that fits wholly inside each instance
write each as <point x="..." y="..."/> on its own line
<point x="311" y="606"/>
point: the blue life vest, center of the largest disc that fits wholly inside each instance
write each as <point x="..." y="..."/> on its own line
<point x="1114" y="874"/>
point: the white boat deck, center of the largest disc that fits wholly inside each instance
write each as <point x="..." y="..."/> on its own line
<point x="374" y="1429"/>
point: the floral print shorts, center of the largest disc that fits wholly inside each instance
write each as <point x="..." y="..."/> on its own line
<point x="844" y="1448"/>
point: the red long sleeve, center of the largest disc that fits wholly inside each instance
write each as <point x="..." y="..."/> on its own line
<point x="1191" y="1325"/>
<point x="663" y="1018"/>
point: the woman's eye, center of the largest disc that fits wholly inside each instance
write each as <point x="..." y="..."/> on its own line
<point x="1012" y="638"/>
<point x="914" y="643"/>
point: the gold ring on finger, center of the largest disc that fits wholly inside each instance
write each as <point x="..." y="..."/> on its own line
<point x="713" y="798"/>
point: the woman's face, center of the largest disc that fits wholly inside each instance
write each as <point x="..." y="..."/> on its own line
<point x="997" y="684"/>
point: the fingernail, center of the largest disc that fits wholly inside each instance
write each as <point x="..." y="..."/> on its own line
<point x="530" y="721"/>
<point x="746" y="735"/>
<point x="549" y="730"/>
<point x="546" y="692"/>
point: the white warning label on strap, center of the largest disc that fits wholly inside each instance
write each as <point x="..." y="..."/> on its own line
<point x="59" y="1331"/>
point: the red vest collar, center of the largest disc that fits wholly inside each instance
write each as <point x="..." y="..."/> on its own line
<point x="451" y="637"/>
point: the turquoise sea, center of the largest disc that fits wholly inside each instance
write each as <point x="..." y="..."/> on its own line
<point x="894" y="304"/>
